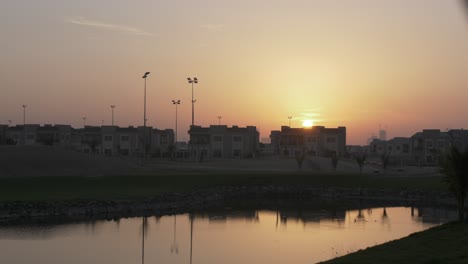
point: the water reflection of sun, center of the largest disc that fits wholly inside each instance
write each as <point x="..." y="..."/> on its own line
<point x="307" y="123"/>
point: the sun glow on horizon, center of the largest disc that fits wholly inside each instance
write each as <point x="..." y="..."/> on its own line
<point x="308" y="123"/>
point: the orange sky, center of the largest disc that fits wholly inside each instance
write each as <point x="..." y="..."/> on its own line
<point x="359" y="64"/>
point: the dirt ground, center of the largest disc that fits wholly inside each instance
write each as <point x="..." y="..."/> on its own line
<point x="21" y="161"/>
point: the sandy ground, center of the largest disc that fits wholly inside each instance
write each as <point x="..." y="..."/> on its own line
<point x="16" y="161"/>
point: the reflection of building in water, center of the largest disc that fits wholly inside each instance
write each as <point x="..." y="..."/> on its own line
<point x="222" y="216"/>
<point x="282" y="215"/>
<point x="310" y="216"/>
<point x="433" y="215"/>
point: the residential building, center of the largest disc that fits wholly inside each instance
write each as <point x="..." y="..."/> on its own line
<point x="3" y="134"/>
<point x="317" y="140"/>
<point x="162" y="142"/>
<point x="428" y="145"/>
<point x="223" y="142"/>
<point x="397" y="149"/>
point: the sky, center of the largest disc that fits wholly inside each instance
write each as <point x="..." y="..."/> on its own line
<point x="364" y="64"/>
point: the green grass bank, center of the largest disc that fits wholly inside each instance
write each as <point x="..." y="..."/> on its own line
<point x="443" y="244"/>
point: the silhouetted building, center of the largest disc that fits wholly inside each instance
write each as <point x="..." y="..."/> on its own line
<point x="222" y="142"/>
<point x="428" y="145"/>
<point x="162" y="142"/>
<point x="106" y="140"/>
<point x="317" y="140"/>
<point x="3" y="134"/>
<point x="423" y="148"/>
<point x="397" y="149"/>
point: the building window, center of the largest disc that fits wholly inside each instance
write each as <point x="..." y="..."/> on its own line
<point x="441" y="144"/>
<point x="390" y="148"/>
<point x="217" y="153"/>
<point x="124" y="138"/>
<point x="236" y="153"/>
<point x="108" y="138"/>
<point x="429" y="159"/>
<point x="237" y="138"/>
<point x="30" y="136"/>
<point x="163" y="139"/>
<point x="398" y="148"/>
<point x="108" y="152"/>
<point x="405" y="148"/>
<point x="311" y="139"/>
<point x="218" y="139"/>
<point x="429" y="143"/>
<point x="331" y="140"/>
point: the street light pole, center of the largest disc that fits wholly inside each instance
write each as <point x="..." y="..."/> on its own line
<point x="144" y="116"/>
<point x="219" y="120"/>
<point x="193" y="81"/>
<point x="289" y="117"/>
<point x="176" y="103"/>
<point x="112" y="106"/>
<point x="24" y="115"/>
<point x="84" y="121"/>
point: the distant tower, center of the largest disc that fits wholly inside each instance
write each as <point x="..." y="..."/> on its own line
<point x="382" y="134"/>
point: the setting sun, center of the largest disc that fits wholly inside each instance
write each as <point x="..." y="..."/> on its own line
<point x="307" y="123"/>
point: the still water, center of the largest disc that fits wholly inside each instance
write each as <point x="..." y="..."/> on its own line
<point x="226" y="236"/>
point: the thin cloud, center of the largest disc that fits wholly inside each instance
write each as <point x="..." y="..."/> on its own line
<point x="213" y="27"/>
<point x="98" y="24"/>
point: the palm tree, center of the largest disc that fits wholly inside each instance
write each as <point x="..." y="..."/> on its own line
<point x="455" y="169"/>
<point x="300" y="156"/>
<point x="334" y="161"/>
<point x="360" y="159"/>
<point x="385" y="158"/>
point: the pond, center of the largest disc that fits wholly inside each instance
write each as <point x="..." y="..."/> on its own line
<point x="221" y="236"/>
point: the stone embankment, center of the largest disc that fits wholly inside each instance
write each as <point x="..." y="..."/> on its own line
<point x="175" y="203"/>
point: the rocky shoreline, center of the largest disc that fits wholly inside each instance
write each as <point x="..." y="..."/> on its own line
<point x="176" y="203"/>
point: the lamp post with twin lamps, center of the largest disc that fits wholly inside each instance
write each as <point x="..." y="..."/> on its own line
<point x="176" y="103"/>
<point x="193" y="81"/>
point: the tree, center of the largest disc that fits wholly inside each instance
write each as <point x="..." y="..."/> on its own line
<point x="455" y="168"/>
<point x="300" y="156"/>
<point x="385" y="158"/>
<point x="334" y="160"/>
<point x="360" y="159"/>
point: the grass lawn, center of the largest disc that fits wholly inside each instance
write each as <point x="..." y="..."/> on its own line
<point x="137" y="187"/>
<point x="443" y="244"/>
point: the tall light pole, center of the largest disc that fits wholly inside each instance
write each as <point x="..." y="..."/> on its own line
<point x="289" y="117"/>
<point x="112" y="107"/>
<point x="9" y="122"/>
<point x="219" y="120"/>
<point x="24" y="114"/>
<point x="144" y="116"/>
<point x="193" y="81"/>
<point x="84" y="121"/>
<point x="176" y="103"/>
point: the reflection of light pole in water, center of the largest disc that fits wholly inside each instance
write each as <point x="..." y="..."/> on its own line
<point x="144" y="222"/>
<point x="174" y="246"/>
<point x="277" y="219"/>
<point x="191" y="235"/>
